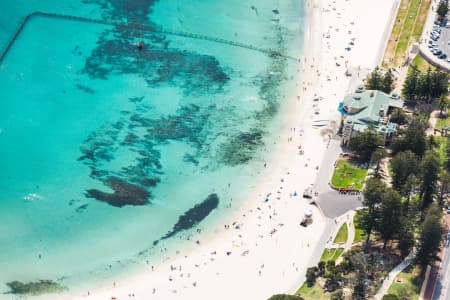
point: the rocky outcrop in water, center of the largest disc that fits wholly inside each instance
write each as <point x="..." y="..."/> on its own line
<point x="193" y="216"/>
<point x="124" y="193"/>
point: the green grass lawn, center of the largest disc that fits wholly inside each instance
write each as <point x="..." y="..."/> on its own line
<point x="408" y="283"/>
<point x="395" y="34"/>
<point x="331" y="254"/>
<point x="348" y="175"/>
<point x="441" y="147"/>
<point x="359" y="232"/>
<point x="443" y="122"/>
<point x="342" y="235"/>
<point x="405" y="36"/>
<point x="421" y="64"/>
<point x="407" y="29"/>
<point x="421" y="18"/>
<point x="313" y="293"/>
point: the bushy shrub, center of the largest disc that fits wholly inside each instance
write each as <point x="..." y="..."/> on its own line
<point x="337" y="295"/>
<point x="390" y="297"/>
<point x="311" y="275"/>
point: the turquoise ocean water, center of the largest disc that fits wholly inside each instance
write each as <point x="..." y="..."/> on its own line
<point x="108" y="152"/>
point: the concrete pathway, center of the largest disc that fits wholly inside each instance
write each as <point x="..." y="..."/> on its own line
<point x="391" y="276"/>
<point x="344" y="219"/>
<point x="351" y="230"/>
<point x="439" y="279"/>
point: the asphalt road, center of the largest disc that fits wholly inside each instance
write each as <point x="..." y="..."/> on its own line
<point x="330" y="201"/>
<point x="442" y="285"/>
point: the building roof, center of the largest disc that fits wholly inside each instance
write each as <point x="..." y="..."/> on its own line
<point x="396" y="103"/>
<point x="368" y="107"/>
<point x="356" y="101"/>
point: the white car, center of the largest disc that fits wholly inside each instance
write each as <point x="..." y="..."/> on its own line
<point x="448" y="59"/>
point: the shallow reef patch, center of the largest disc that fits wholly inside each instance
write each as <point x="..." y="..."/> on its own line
<point x="240" y="148"/>
<point x="193" y="216"/>
<point x="141" y="134"/>
<point x="81" y="208"/>
<point x="35" y="288"/>
<point x="124" y="193"/>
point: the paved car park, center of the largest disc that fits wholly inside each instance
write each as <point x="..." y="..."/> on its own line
<point x="441" y="42"/>
<point x="439" y="39"/>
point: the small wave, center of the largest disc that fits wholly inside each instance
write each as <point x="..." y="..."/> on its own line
<point x="32" y="196"/>
<point x="250" y="99"/>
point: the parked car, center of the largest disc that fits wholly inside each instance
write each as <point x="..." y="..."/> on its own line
<point x="448" y="59"/>
<point x="448" y="210"/>
<point x="434" y="38"/>
<point x="443" y="56"/>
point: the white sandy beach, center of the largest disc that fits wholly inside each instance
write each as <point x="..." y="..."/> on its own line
<point x="270" y="251"/>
